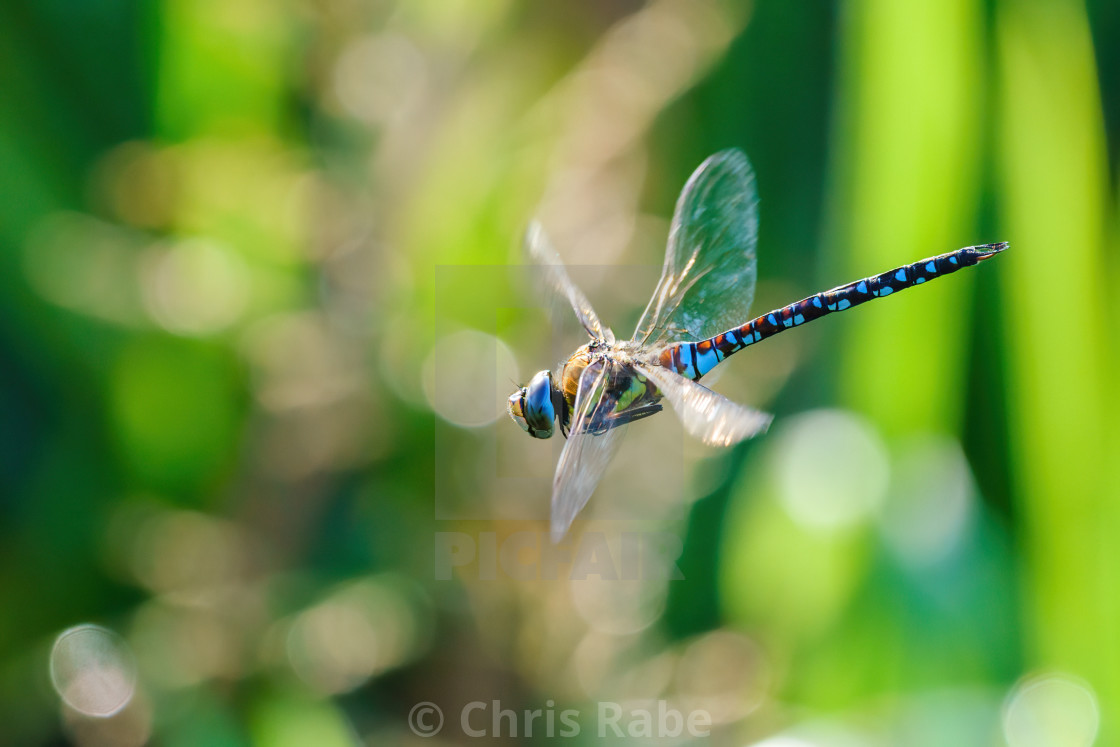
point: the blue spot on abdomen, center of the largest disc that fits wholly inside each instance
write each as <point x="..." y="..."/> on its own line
<point x="706" y="361"/>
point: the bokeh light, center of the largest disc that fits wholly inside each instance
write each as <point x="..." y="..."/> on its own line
<point x="86" y="265"/>
<point x="724" y="673"/>
<point x="377" y="78"/>
<point x="930" y="502"/>
<point x="1055" y="710"/>
<point x="92" y="670"/>
<point x="355" y="633"/>
<point x="180" y="646"/>
<point x="832" y="469"/>
<point x="129" y="727"/>
<point x="196" y="287"/>
<point x="466" y="378"/>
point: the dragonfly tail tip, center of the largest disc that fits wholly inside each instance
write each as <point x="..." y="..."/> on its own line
<point x="987" y="251"/>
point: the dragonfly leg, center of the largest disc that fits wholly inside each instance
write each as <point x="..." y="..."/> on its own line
<point x="629" y="416"/>
<point x="601" y="425"/>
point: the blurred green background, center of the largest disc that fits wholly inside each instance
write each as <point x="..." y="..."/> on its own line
<point x="260" y="303"/>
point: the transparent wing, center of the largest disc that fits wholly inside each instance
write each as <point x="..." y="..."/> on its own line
<point x="540" y="250"/>
<point x="588" y="449"/>
<point x="707" y="282"/>
<point x="711" y="417"/>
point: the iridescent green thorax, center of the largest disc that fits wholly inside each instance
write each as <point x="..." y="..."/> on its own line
<point x="636" y="388"/>
<point x="626" y="389"/>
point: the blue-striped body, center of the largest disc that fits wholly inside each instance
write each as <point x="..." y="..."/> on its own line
<point x="694" y="359"/>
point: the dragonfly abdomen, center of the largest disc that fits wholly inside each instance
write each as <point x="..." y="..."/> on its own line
<point x="695" y="359"/>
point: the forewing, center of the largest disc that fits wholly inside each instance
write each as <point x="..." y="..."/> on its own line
<point x="556" y="277"/>
<point x="707" y="282"/>
<point x="586" y="454"/>
<point x="711" y="417"/>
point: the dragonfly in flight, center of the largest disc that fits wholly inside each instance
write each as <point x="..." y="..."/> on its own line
<point x="697" y="317"/>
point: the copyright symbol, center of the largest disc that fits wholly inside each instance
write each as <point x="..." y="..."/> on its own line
<point x="425" y="719"/>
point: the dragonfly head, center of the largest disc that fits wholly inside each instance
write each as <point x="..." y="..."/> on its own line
<point x="532" y="407"/>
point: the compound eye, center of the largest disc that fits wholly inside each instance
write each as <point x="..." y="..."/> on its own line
<point x="516" y="407"/>
<point x="539" y="412"/>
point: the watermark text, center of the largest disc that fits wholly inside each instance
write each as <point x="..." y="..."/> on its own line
<point x="528" y="556"/>
<point x="650" y="720"/>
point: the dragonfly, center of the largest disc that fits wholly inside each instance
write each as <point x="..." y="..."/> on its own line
<point x="697" y="317"/>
